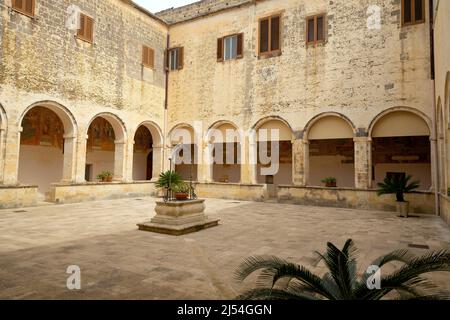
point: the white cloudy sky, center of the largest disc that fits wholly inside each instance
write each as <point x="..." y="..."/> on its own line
<point x="158" y="5"/>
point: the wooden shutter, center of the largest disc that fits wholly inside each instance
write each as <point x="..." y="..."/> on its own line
<point x="220" y="49"/>
<point x="275" y="34"/>
<point x="166" y="59"/>
<point x="180" y="58"/>
<point x="86" y="31"/>
<point x="24" y="6"/>
<point x="240" y="45"/>
<point x="148" y="57"/>
<point x="151" y="58"/>
<point x="264" y="36"/>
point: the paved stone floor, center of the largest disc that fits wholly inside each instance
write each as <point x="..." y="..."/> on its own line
<point x="119" y="262"/>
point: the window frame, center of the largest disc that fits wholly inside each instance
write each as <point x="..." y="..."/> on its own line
<point x="151" y="64"/>
<point x="180" y="64"/>
<point x="413" y="13"/>
<point x="270" y="52"/>
<point x="238" y="56"/>
<point x="22" y="11"/>
<point x="82" y="37"/>
<point x="316" y="17"/>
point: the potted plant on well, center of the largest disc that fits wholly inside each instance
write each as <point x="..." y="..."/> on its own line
<point x="399" y="185"/>
<point x="181" y="191"/>
<point x="168" y="181"/>
<point x="330" y="182"/>
<point x="105" y="176"/>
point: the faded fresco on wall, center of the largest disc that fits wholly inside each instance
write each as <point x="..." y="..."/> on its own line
<point x="42" y="127"/>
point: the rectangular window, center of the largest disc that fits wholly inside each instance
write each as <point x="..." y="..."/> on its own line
<point x="86" y="31"/>
<point x="413" y="12"/>
<point x="230" y="47"/>
<point x="315" y="29"/>
<point x="269" y="35"/>
<point x="148" y="57"/>
<point x="175" y="59"/>
<point x="24" y="6"/>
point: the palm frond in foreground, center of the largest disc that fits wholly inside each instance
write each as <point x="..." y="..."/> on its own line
<point x="279" y="279"/>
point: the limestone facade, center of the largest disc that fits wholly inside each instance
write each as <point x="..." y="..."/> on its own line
<point x="350" y="90"/>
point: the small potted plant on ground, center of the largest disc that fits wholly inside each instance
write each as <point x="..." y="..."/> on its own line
<point x="399" y="185"/>
<point x="330" y="182"/>
<point x="105" y="176"/>
<point x="181" y="191"/>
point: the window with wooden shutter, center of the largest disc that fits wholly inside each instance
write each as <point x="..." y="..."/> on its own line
<point x="413" y="12"/>
<point x="270" y="35"/>
<point x="25" y="7"/>
<point x="230" y="47"/>
<point x="148" y="57"/>
<point x="86" y="31"/>
<point x="175" y="59"/>
<point x="315" y="29"/>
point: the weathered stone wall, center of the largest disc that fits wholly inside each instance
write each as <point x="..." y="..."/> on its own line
<point x="358" y="72"/>
<point x="420" y="202"/>
<point x="442" y="83"/>
<point x="198" y="9"/>
<point x="43" y="61"/>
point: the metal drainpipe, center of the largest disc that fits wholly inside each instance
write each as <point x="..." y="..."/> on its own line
<point x="166" y="101"/>
<point x="437" y="182"/>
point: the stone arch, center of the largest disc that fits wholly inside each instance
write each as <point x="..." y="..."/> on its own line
<point x="110" y="155"/>
<point x="184" y="150"/>
<point x="52" y="159"/>
<point x="416" y="112"/>
<point x="447" y="98"/>
<point x="272" y="156"/>
<point x="401" y="145"/>
<point x="147" y="164"/>
<point x="116" y="122"/>
<point x="225" y="152"/>
<point x="3" y="118"/>
<point x="67" y="118"/>
<point x="311" y="123"/>
<point x="331" y="150"/>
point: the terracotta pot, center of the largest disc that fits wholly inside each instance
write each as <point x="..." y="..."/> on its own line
<point x="109" y="179"/>
<point x="181" y="196"/>
<point x="403" y="208"/>
<point x="331" y="184"/>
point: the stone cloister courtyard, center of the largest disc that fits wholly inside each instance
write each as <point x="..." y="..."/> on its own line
<point x="119" y="262"/>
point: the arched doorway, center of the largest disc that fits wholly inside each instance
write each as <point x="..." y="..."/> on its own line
<point x="105" y="148"/>
<point x="46" y="147"/>
<point x="184" y="153"/>
<point x="225" y="143"/>
<point x="143" y="155"/>
<point x="274" y="154"/>
<point x="331" y="151"/>
<point x="401" y="146"/>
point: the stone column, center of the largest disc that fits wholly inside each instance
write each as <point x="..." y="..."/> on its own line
<point x="362" y="146"/>
<point x="69" y="165"/>
<point x="300" y="162"/>
<point x="81" y="159"/>
<point x="129" y="161"/>
<point x="120" y="160"/>
<point x="434" y="165"/>
<point x="205" y="163"/>
<point x="12" y="151"/>
<point x="249" y="159"/>
<point x="157" y="161"/>
<point x="2" y="152"/>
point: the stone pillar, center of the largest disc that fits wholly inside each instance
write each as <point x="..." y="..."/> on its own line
<point x="300" y="161"/>
<point x="129" y="161"/>
<point x="434" y="165"/>
<point x="120" y="160"/>
<point x="2" y="152"/>
<point x="363" y="166"/>
<point x="205" y="162"/>
<point x="12" y="152"/>
<point x="157" y="162"/>
<point x="69" y="165"/>
<point x="249" y="159"/>
<point x="80" y="175"/>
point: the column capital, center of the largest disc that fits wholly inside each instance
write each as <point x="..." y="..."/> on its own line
<point x="69" y="136"/>
<point x="362" y="139"/>
<point x="120" y="142"/>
